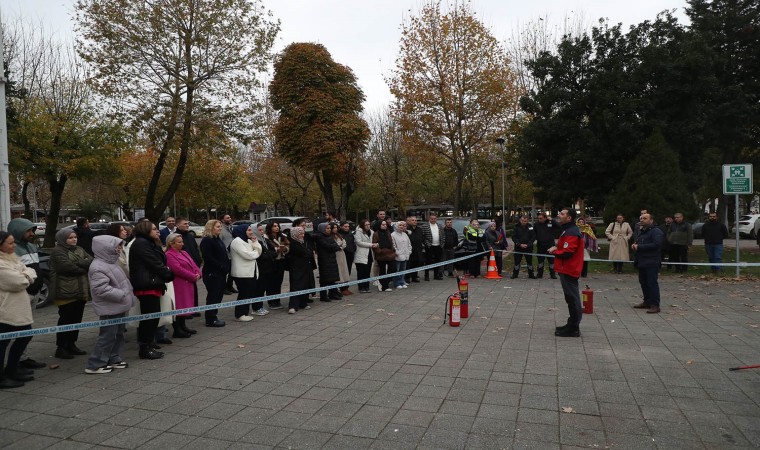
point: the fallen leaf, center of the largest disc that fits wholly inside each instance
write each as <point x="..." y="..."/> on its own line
<point x="567" y="409"/>
<point x="54" y="366"/>
<point x="240" y="346"/>
<point x="349" y="304"/>
<point x="391" y="314"/>
<point x="380" y="310"/>
<point x="689" y="362"/>
<point x="486" y="318"/>
<point x="435" y="318"/>
<point x="752" y="326"/>
<point x="551" y="309"/>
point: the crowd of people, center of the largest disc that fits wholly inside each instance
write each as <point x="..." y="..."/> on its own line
<point x="145" y="270"/>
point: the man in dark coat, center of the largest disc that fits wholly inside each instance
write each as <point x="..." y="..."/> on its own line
<point x="714" y="232"/>
<point x="547" y="230"/>
<point x="435" y="241"/>
<point x="523" y="236"/>
<point x="84" y="235"/>
<point x="328" y="264"/>
<point x="416" y="259"/>
<point x="647" y="261"/>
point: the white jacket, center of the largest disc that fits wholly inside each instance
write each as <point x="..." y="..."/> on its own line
<point x="243" y="255"/>
<point x="363" y="246"/>
<point x="402" y="244"/>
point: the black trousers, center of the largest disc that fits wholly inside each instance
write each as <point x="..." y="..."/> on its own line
<point x="247" y="288"/>
<point x="68" y="314"/>
<point x="17" y="348"/>
<point x="434" y="255"/>
<point x="678" y="254"/>
<point x="473" y="264"/>
<point x="215" y="284"/>
<point x="146" y="330"/>
<point x="362" y="273"/>
<point x="528" y="260"/>
<point x="572" y="298"/>
<point x="385" y="268"/>
<point x="273" y="284"/>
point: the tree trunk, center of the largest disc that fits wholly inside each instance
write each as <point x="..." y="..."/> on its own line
<point x="25" y="199"/>
<point x="325" y="186"/>
<point x="51" y="221"/>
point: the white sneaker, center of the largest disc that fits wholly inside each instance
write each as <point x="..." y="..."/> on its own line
<point x="400" y="287"/>
<point x="292" y="311"/>
<point x="262" y="312"/>
<point x="405" y="286"/>
<point x="389" y="290"/>
<point x="245" y="318"/>
<point x="98" y="371"/>
<point x="307" y="307"/>
<point x="379" y="286"/>
<point x="118" y="365"/>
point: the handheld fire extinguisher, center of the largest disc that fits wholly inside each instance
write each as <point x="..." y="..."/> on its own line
<point x="464" y="296"/>
<point x="453" y="309"/>
<point x="588" y="300"/>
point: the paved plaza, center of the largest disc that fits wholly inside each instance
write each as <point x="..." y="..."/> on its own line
<point x="380" y="370"/>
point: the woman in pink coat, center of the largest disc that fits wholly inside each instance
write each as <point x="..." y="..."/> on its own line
<point x="186" y="274"/>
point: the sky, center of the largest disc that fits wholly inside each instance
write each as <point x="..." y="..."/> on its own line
<point x="364" y="34"/>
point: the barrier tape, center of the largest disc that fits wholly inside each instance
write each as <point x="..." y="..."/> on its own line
<point x="223" y="305"/>
<point x="740" y="264"/>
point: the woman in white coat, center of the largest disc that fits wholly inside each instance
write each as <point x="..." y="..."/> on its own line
<point x="245" y="249"/>
<point x="363" y="256"/>
<point x="618" y="233"/>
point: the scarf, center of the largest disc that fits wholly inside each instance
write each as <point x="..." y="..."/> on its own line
<point x="297" y="234"/>
<point x="62" y="235"/>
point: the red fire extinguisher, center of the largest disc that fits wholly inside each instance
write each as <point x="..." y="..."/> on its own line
<point x="453" y="306"/>
<point x="464" y="296"/>
<point x="588" y="300"/>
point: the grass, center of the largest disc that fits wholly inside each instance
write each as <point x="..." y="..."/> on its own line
<point x="697" y="254"/>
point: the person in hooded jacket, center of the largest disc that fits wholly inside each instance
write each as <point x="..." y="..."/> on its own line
<point x="245" y="250"/>
<point x="186" y="276"/>
<point x="69" y="287"/>
<point x="15" y="312"/>
<point x="327" y="261"/>
<point x="301" y="263"/>
<point x="112" y="298"/>
<point x="148" y="274"/>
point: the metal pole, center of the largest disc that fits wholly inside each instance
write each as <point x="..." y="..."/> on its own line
<point x="500" y="141"/>
<point x="5" y="194"/>
<point x="736" y="224"/>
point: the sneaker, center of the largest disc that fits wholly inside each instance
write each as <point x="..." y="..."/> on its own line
<point x="276" y="307"/>
<point x="307" y="307"/>
<point x="292" y="311"/>
<point x="379" y="286"/>
<point x="99" y="370"/>
<point x="405" y="286"/>
<point x="389" y="290"/>
<point x="119" y="365"/>
<point x="400" y="287"/>
<point x="261" y="312"/>
<point x="244" y="318"/>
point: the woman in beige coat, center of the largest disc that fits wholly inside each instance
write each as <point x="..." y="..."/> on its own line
<point x="618" y="233"/>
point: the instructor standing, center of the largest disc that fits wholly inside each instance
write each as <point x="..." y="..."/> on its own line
<point x="568" y="263"/>
<point x="647" y="261"/>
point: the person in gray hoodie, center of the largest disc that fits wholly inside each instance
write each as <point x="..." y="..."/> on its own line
<point x="112" y="297"/>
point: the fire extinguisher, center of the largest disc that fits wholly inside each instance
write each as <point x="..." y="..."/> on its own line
<point x="453" y="309"/>
<point x="464" y="296"/>
<point x="588" y="300"/>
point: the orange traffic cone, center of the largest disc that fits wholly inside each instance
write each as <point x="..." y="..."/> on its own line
<point x="493" y="272"/>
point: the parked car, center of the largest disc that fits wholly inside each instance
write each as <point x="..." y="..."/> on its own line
<point x="42" y="298"/>
<point x="459" y="224"/>
<point x="748" y="225"/>
<point x="40" y="231"/>
<point x="195" y="229"/>
<point x="286" y="222"/>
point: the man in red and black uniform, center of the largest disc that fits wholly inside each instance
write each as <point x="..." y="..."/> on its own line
<point x="568" y="263"/>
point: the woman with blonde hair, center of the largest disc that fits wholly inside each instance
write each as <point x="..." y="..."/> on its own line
<point x="216" y="266"/>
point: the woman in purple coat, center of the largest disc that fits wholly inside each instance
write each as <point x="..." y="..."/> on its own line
<point x="186" y="274"/>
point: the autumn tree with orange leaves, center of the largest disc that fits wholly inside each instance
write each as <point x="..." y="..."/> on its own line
<point x="454" y="89"/>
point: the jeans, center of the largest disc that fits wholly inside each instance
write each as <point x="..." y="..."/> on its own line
<point x="572" y="298"/>
<point x="398" y="280"/>
<point x="650" y="287"/>
<point x="109" y="347"/>
<point x="715" y="254"/>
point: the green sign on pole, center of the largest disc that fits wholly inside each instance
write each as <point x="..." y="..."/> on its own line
<point x="737" y="179"/>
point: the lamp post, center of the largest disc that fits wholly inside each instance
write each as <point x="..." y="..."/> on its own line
<point x="501" y="141"/>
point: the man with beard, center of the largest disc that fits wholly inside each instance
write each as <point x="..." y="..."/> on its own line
<point x="417" y="237"/>
<point x="568" y="263"/>
<point x="714" y="232"/>
<point x="434" y="243"/>
<point x="647" y="261"/>
<point x="523" y="236"/>
<point x="546" y="232"/>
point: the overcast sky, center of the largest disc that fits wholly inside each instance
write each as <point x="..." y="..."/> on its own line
<point x="364" y="34"/>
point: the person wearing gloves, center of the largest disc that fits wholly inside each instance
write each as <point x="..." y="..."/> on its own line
<point x="245" y="249"/>
<point x="403" y="247"/>
<point x="69" y="288"/>
<point x="15" y="312"/>
<point x="112" y="298"/>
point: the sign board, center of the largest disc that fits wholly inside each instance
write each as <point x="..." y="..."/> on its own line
<point x="737" y="179"/>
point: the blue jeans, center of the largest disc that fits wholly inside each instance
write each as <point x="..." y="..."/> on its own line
<point x="714" y="254"/>
<point x="398" y="280"/>
<point x="650" y="287"/>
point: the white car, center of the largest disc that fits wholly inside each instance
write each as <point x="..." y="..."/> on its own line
<point x="287" y="222"/>
<point x="749" y="225"/>
<point x="195" y="229"/>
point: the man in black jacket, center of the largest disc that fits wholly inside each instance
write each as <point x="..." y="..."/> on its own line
<point x="84" y="234"/>
<point x="646" y="260"/>
<point x="417" y="237"/>
<point x="714" y="232"/>
<point x="546" y="232"/>
<point x="450" y="243"/>
<point x="523" y="236"/>
<point x="434" y="244"/>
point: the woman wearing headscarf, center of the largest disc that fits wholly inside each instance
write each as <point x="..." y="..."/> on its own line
<point x="350" y="250"/>
<point x="327" y="261"/>
<point x="148" y="274"/>
<point x="186" y="275"/>
<point x="265" y="264"/>
<point x="340" y="256"/>
<point x="69" y="288"/>
<point x="384" y="254"/>
<point x="216" y="266"/>
<point x="301" y="262"/>
<point x="363" y="257"/>
<point x="15" y="312"/>
<point x="277" y="241"/>
<point x="245" y="250"/>
<point x="112" y="298"/>
<point x="589" y="244"/>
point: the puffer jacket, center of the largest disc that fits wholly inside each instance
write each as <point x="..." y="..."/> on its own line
<point x="68" y="274"/>
<point x="147" y="266"/>
<point x="109" y="286"/>
<point x="363" y="246"/>
<point x="15" y="277"/>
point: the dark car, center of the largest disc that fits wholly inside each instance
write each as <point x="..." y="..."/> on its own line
<point x="42" y="298"/>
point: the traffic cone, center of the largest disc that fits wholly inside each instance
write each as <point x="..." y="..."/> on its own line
<point x="493" y="272"/>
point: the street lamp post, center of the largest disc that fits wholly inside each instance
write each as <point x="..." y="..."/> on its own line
<point x="501" y="141"/>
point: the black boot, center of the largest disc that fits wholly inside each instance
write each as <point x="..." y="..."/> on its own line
<point x="540" y="272"/>
<point x="563" y="326"/>
<point x="179" y="332"/>
<point x="148" y="352"/>
<point x="182" y="323"/>
<point x="552" y="274"/>
<point x="74" y="350"/>
<point x="62" y="353"/>
<point x="7" y="383"/>
<point x="16" y="375"/>
<point x="514" y="273"/>
<point x="531" y="275"/>
<point x="570" y="331"/>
